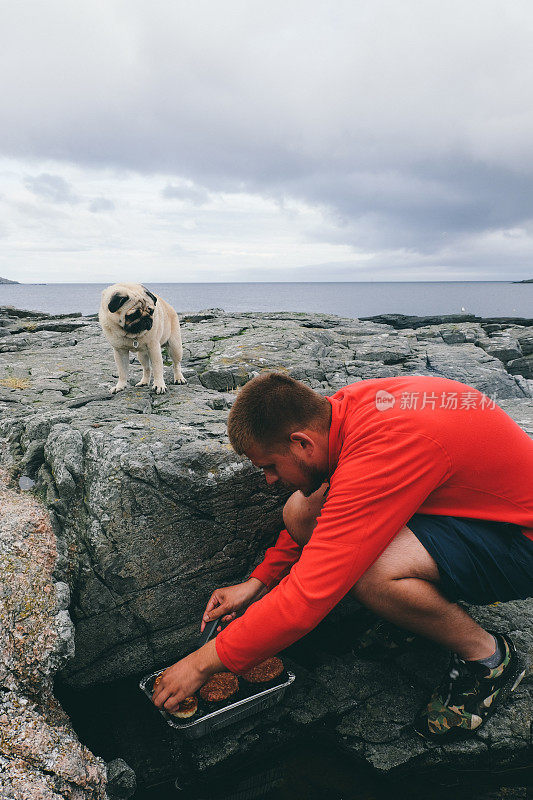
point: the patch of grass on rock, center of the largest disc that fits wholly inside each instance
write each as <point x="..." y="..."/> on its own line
<point x="15" y="383"/>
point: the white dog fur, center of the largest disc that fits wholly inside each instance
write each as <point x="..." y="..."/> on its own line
<point x="136" y="320"/>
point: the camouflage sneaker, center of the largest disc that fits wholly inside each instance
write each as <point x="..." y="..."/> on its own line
<point x="468" y="694"/>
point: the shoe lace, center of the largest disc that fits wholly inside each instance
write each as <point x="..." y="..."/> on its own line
<point x="458" y="682"/>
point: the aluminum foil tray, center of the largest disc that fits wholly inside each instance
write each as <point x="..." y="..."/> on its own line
<point x="245" y="703"/>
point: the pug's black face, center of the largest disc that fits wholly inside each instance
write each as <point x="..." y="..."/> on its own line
<point x="134" y="310"/>
<point x="138" y="320"/>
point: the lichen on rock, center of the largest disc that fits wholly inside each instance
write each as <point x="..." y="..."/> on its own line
<point x="40" y="755"/>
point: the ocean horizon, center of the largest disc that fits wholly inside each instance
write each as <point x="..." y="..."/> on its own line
<point x="347" y="299"/>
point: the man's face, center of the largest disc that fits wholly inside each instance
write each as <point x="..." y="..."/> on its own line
<point x="285" y="466"/>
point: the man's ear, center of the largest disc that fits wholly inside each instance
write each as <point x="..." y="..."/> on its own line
<point x="302" y="440"/>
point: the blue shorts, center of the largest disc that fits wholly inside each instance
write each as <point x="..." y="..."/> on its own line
<point x="479" y="562"/>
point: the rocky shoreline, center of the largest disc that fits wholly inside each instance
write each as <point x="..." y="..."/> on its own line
<point x="150" y="509"/>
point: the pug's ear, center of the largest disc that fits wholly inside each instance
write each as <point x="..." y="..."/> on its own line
<point x="152" y="296"/>
<point x="117" y="301"/>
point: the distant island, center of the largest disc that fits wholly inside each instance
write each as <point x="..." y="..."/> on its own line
<point x="527" y="280"/>
<point x="6" y="280"/>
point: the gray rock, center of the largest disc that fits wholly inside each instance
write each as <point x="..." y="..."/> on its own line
<point x="391" y="350"/>
<point x="413" y="670"/>
<point x="151" y="509"/>
<point x="59" y="327"/>
<point x="10" y="311"/>
<point x="411" y="321"/>
<point x="471" y="365"/>
<point x="492" y="327"/>
<point x="504" y="347"/>
<point x="64" y="453"/>
<point x="40" y="756"/>
<point x="522" y="366"/>
<point x="526" y="342"/>
<point x="121" y="780"/>
<point x="453" y="335"/>
<point x="222" y="380"/>
<point x="407" y="321"/>
<point x="33" y="456"/>
<point x="62" y="596"/>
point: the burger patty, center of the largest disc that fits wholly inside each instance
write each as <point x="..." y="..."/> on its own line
<point x="265" y="671"/>
<point x="219" y="687"/>
<point x="187" y="708"/>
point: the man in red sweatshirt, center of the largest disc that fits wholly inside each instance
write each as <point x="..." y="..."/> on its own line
<point x="411" y="493"/>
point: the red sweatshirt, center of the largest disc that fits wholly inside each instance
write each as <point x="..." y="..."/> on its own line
<point x="397" y="446"/>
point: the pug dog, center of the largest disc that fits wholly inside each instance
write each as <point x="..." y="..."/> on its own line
<point x="135" y="320"/>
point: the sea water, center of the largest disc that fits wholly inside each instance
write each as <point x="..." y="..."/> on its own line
<point x="484" y="298"/>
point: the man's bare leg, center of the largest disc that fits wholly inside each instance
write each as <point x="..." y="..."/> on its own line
<point x="401" y="585"/>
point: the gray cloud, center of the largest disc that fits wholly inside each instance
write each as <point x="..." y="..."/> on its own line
<point x="192" y="194"/>
<point x="409" y="130"/>
<point x="51" y="187"/>
<point x="101" y="204"/>
<point x="423" y="207"/>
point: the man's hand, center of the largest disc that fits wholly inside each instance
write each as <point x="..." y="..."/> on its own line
<point x="185" y="677"/>
<point x="229" y="600"/>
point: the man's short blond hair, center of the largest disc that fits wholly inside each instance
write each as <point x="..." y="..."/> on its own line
<point x="272" y="406"/>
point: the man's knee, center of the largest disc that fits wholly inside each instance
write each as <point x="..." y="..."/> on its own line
<point x="300" y="515"/>
<point x="369" y="585"/>
<point x="405" y="557"/>
<point x="295" y="516"/>
<point x="290" y="510"/>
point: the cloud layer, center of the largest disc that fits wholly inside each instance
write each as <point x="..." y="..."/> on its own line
<point x="370" y="140"/>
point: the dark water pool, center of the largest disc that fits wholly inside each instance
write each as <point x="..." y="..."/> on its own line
<point x="311" y="771"/>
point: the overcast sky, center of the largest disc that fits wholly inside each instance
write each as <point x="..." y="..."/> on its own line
<point x="216" y="140"/>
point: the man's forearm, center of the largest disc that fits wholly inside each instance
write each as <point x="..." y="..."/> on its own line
<point x="278" y="560"/>
<point x="207" y="661"/>
<point x="259" y="587"/>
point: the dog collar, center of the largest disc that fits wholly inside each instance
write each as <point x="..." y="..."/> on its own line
<point x="135" y="341"/>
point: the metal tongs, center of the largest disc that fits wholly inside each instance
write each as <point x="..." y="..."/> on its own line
<point x="208" y="631"/>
